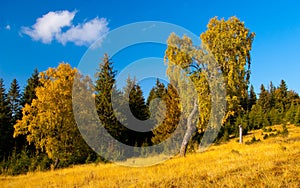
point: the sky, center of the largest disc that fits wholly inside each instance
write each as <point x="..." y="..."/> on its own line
<point x="42" y="33"/>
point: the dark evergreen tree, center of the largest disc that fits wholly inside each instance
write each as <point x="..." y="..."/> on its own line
<point x="137" y="103"/>
<point x="275" y="117"/>
<point x="136" y="115"/>
<point x="29" y="91"/>
<point x="254" y="116"/>
<point x="105" y="88"/>
<point x="156" y="95"/>
<point x="252" y="98"/>
<point x="290" y="115"/>
<point x="281" y="99"/>
<point x="130" y="84"/>
<point x="264" y="99"/>
<point x="292" y="97"/>
<point x="158" y="91"/>
<point x="105" y="80"/>
<point x="6" y="129"/>
<point x="134" y="95"/>
<point x="297" y="117"/>
<point x="14" y="99"/>
<point x="272" y="95"/>
<point x="28" y="95"/>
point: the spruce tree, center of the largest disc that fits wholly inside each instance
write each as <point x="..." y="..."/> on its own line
<point x="136" y="115"/>
<point x="275" y="117"/>
<point x="29" y="92"/>
<point x="105" y="89"/>
<point x="14" y="99"/>
<point x="156" y="95"/>
<point x="137" y="103"/>
<point x="281" y="94"/>
<point x="158" y="91"/>
<point x="297" y="117"/>
<point x="28" y="95"/>
<point x="292" y="97"/>
<point x="291" y="114"/>
<point x="6" y="129"/>
<point x="272" y="94"/>
<point x="252" y="98"/>
<point x="264" y="99"/>
<point x="254" y="117"/>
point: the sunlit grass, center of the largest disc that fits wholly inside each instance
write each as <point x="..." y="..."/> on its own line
<point x="273" y="162"/>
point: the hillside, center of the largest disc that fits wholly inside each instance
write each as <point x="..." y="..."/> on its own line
<point x="271" y="162"/>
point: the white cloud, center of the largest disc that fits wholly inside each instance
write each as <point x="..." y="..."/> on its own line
<point x="7" y="27"/>
<point x="86" y="33"/>
<point x="49" y="25"/>
<point x="49" y="28"/>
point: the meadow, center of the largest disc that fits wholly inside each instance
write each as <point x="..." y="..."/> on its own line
<point x="262" y="162"/>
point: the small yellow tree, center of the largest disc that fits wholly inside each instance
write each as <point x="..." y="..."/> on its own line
<point x="49" y="122"/>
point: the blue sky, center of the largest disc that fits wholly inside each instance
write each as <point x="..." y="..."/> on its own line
<point x="275" y="53"/>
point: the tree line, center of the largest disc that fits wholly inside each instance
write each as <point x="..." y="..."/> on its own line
<point x="38" y="130"/>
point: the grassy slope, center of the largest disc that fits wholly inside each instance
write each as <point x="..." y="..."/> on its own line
<point x="273" y="162"/>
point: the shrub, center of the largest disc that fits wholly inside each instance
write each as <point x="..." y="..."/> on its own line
<point x="253" y="140"/>
<point x="23" y="162"/>
<point x="285" y="131"/>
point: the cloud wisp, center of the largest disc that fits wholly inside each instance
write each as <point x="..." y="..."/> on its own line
<point x="50" y="27"/>
<point x="86" y="33"/>
<point x="7" y="27"/>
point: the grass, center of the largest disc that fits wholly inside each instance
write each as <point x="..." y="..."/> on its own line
<point x="272" y="162"/>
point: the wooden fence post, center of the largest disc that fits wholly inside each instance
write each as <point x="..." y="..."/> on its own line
<point x="241" y="133"/>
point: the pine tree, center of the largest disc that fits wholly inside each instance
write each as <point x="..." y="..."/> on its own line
<point x="297" y="117"/>
<point x="105" y="89"/>
<point x="155" y="98"/>
<point x="130" y="84"/>
<point x="264" y="99"/>
<point x="281" y="95"/>
<point x="105" y="80"/>
<point x="139" y="112"/>
<point x="259" y="114"/>
<point x="158" y="91"/>
<point x="275" y="117"/>
<point x="151" y="96"/>
<point x="291" y="114"/>
<point x="252" y="98"/>
<point x="14" y="99"/>
<point x="137" y="103"/>
<point x="6" y="129"/>
<point x="292" y="97"/>
<point x="254" y="117"/>
<point x="272" y="94"/>
<point x="29" y="92"/>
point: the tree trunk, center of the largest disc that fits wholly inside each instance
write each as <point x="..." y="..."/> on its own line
<point x="189" y="131"/>
<point x="56" y="163"/>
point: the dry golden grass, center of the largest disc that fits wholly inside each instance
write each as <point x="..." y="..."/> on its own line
<point x="274" y="162"/>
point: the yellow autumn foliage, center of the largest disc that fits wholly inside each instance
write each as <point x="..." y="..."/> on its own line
<point x="49" y="123"/>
